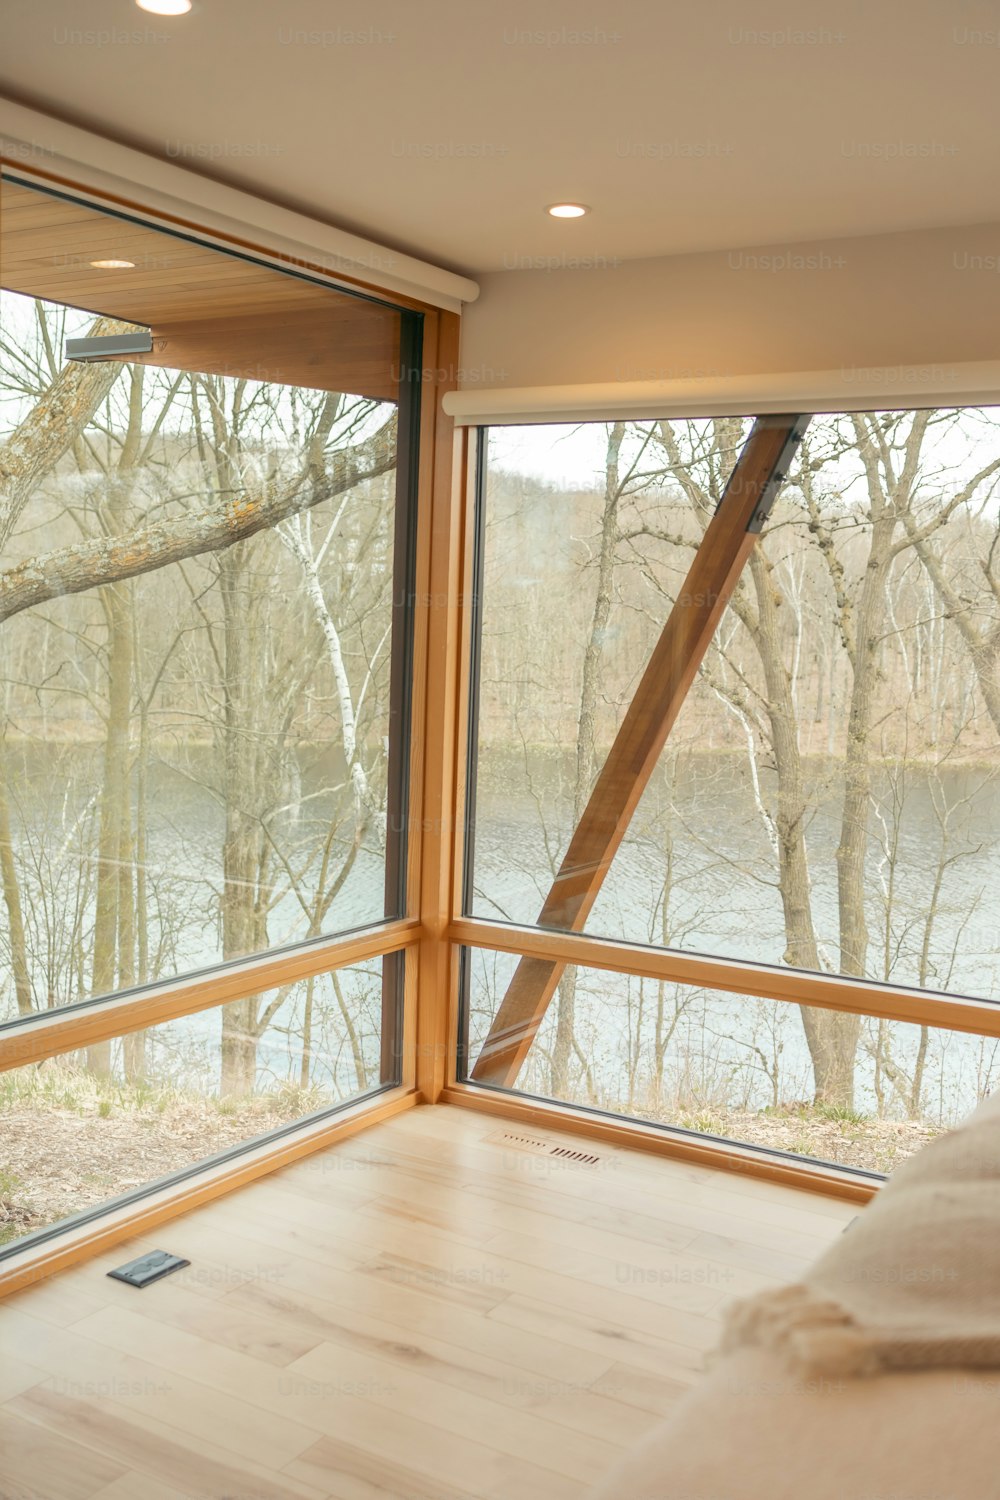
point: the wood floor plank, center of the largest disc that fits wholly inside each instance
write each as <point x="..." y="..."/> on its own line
<point x="351" y="1473"/>
<point x="495" y="1196"/>
<point x="17" y="1375"/>
<point x="422" y="1323"/>
<point x="746" y="1255"/>
<point x="466" y="1362"/>
<point x="689" y="1285"/>
<point x="640" y="1225"/>
<point x="135" y="1486"/>
<point x="362" y="1239"/>
<point x="393" y="1178"/>
<point x="58" y="1466"/>
<point x="588" y="1330"/>
<point x="78" y="1366"/>
<point x="520" y="1432"/>
<point x="636" y="1387"/>
<point x="585" y="1411"/>
<point x="63" y="1300"/>
<point x="506" y="1262"/>
<point x="638" y="1261"/>
<point x="443" y="1213"/>
<point x="488" y="1475"/>
<point x="225" y="1323"/>
<point x="326" y="1174"/>
<point x="200" y="1470"/>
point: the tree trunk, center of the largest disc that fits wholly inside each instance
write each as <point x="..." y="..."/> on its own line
<point x="20" y="971"/>
<point x="586" y="750"/>
<point x="831" y="1038"/>
<point x="852" y="850"/>
<point x="305" y="1065"/>
<point x="111" y="967"/>
<point x="241" y="917"/>
<point x="114" y="812"/>
<point x="134" y="1043"/>
<point x="984" y="648"/>
<point x="142" y="845"/>
<point x="357" y="1051"/>
<point x="52" y="427"/>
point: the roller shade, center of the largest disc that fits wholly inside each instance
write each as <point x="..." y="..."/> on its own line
<point x="973" y="383"/>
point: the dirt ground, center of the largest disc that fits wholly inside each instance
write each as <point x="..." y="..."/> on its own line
<point x="54" y="1162"/>
<point x="874" y="1145"/>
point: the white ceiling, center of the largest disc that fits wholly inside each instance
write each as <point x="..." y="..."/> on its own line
<point x="450" y="125"/>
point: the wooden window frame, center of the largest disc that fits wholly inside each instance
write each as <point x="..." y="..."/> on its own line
<point x="31" y="1039"/>
<point x="551" y="949"/>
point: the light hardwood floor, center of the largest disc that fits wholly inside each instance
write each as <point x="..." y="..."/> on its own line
<point x="424" y="1312"/>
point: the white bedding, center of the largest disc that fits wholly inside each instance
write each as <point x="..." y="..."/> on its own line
<point x="752" y="1431"/>
<point x="766" y="1422"/>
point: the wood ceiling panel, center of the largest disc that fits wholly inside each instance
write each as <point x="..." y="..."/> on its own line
<point x="208" y="311"/>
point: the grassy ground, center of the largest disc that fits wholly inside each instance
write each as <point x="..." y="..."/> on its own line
<point x="844" y="1137"/>
<point x="69" y="1141"/>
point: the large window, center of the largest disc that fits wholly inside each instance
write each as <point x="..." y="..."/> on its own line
<point x="826" y="797"/>
<point x="205" y="627"/>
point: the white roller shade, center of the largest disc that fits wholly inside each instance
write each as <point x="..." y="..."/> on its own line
<point x="975" y="383"/>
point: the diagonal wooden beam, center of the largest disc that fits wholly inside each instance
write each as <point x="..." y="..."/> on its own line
<point x="715" y="570"/>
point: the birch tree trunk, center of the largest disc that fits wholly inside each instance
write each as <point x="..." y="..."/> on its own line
<point x="586" y="750"/>
<point x="52" y="427"/>
<point x="20" y="971"/>
<point x="113" y="967"/>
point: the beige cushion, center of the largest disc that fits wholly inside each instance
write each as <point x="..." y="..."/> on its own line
<point x="858" y="1383"/>
<point x="751" y="1430"/>
<point x="914" y="1284"/>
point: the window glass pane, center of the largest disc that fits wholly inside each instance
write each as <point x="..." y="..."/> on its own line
<point x="81" y="1129"/>
<point x="587" y="539"/>
<point x="196" y="628"/>
<point x="829" y="796"/>
<point x="738" y="1067"/>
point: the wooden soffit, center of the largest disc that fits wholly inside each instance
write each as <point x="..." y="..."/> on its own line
<point x="208" y="311"/>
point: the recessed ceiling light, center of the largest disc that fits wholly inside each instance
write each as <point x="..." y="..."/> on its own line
<point x="165" y="7"/>
<point x="567" y="210"/>
<point x="113" y="265"/>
